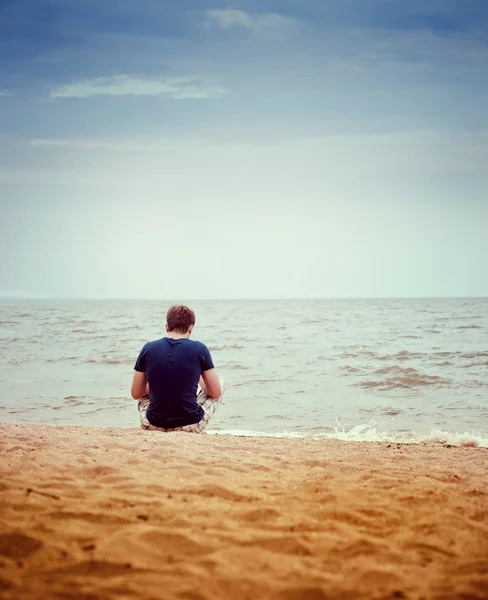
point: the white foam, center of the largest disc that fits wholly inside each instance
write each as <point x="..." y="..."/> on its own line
<point x="437" y="436"/>
<point x="249" y="433"/>
<point x="370" y="433"/>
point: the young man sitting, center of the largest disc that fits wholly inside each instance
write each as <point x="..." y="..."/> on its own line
<point x="168" y="373"/>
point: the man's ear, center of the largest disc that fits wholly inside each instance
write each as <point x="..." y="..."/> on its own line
<point x="166" y="327"/>
<point x="190" y="329"/>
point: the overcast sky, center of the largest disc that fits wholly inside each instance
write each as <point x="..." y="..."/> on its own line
<point x="251" y="149"/>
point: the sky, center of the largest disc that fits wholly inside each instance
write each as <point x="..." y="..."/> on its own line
<point x="247" y="149"/>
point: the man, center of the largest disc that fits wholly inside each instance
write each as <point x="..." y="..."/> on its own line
<point x="167" y="375"/>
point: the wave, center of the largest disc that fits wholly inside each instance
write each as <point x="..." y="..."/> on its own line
<point x="62" y="359"/>
<point x="350" y="369"/>
<point x="406" y="355"/>
<point x="224" y="348"/>
<point x="479" y="364"/>
<point x="235" y="365"/>
<point x="399" y="377"/>
<point x="370" y="433"/>
<point x="106" y="360"/>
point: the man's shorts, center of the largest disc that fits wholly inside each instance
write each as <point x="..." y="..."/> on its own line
<point x="208" y="404"/>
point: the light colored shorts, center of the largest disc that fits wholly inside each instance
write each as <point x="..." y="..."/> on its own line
<point x="208" y="404"/>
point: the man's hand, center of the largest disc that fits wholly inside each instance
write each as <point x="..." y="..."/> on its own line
<point x="210" y="384"/>
<point x="139" y="385"/>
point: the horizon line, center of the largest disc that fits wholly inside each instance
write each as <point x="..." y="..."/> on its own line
<point x="253" y="299"/>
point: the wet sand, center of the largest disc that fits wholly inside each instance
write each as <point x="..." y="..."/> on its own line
<point x="92" y="514"/>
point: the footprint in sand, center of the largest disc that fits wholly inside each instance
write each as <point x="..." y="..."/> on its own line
<point x="18" y="546"/>
<point x="215" y="491"/>
<point x="260" y="514"/>
<point x="305" y="593"/>
<point x="282" y="545"/>
<point x="5" y="585"/>
<point x="96" y="568"/>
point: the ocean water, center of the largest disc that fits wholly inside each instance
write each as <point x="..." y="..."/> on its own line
<point x="398" y="370"/>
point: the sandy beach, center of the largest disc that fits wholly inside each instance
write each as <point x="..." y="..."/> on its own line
<point x="92" y="514"/>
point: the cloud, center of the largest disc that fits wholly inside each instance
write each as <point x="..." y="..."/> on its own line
<point x="177" y="88"/>
<point x="227" y="18"/>
<point x="5" y="93"/>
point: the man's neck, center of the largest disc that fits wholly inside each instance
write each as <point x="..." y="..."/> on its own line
<point x="178" y="336"/>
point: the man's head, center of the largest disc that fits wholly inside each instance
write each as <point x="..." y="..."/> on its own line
<point x="180" y="319"/>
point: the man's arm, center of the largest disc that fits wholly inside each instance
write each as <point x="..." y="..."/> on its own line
<point x="210" y="384"/>
<point x="139" y="385"/>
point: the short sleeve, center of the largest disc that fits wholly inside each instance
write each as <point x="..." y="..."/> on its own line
<point x="206" y="362"/>
<point x="141" y="360"/>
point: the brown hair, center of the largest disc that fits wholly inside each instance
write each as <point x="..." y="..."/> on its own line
<point x="180" y="318"/>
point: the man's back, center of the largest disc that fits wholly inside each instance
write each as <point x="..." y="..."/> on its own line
<point x="173" y="368"/>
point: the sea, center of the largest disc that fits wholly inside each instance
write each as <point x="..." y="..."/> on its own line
<point x="393" y="370"/>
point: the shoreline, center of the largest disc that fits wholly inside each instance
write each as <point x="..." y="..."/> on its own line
<point x="91" y="513"/>
<point x="436" y="436"/>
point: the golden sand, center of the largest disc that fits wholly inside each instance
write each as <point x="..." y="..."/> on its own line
<point x="92" y="514"/>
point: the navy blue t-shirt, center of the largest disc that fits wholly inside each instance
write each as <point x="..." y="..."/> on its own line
<point x="173" y="368"/>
